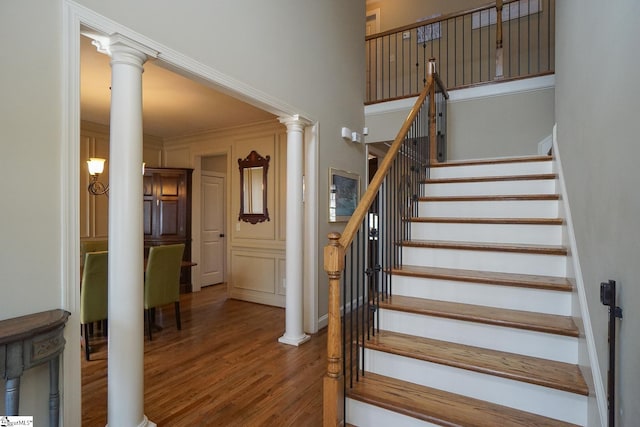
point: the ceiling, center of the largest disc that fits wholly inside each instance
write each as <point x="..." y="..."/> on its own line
<point x="173" y="105"/>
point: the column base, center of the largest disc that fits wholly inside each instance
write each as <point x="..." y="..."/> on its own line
<point x="145" y="423"/>
<point x="294" y="340"/>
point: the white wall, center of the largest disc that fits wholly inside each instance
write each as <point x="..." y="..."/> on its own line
<point x="597" y="102"/>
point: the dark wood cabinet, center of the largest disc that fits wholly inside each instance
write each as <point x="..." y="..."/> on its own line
<point x="167" y="212"/>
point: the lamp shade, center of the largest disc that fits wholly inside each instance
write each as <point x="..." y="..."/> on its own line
<point x="95" y="165"/>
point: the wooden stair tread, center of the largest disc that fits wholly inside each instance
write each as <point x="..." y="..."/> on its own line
<point x="531" y="177"/>
<point x="493" y="247"/>
<point x="540" y="322"/>
<point x="533" y="370"/>
<point x="477" y="220"/>
<point x="487" y="277"/>
<point x="489" y="198"/>
<point x="494" y="161"/>
<point x="440" y="407"/>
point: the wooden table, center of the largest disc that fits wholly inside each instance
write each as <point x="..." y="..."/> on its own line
<point x="29" y="341"/>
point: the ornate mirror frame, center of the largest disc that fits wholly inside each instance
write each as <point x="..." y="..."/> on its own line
<point x="250" y="163"/>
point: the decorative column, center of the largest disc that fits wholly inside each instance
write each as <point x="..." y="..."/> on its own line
<point x="294" y="322"/>
<point x="126" y="244"/>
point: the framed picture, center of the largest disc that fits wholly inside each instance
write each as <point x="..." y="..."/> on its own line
<point x="344" y="194"/>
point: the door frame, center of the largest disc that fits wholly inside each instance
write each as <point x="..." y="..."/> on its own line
<point x="196" y="212"/>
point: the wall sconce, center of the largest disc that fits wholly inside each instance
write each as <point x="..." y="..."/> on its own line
<point x="96" y="167"/>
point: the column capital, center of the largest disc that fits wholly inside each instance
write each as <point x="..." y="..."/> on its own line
<point x="294" y="123"/>
<point x="122" y="49"/>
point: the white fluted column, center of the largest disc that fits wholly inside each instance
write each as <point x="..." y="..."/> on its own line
<point x="294" y="321"/>
<point x="126" y="244"/>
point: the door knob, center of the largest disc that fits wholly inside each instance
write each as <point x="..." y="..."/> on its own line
<point x="221" y="234"/>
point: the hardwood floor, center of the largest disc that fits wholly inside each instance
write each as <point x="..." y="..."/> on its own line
<point x="225" y="368"/>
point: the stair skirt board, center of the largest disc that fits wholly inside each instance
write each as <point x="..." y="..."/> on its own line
<point x="500" y="296"/>
<point x="366" y="415"/>
<point x="558" y="404"/>
<point x="504" y="262"/>
<point x="512" y="340"/>
<point x="489" y="209"/>
<point x="490" y="233"/>
<point x="521" y="168"/>
<point x="540" y="186"/>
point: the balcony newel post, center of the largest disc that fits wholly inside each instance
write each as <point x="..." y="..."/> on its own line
<point x="499" y="60"/>
<point x="433" y="142"/>
<point x="333" y="386"/>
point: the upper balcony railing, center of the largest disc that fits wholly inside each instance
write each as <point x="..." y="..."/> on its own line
<point x="470" y="47"/>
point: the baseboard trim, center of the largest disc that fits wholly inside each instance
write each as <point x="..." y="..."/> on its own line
<point x="600" y="394"/>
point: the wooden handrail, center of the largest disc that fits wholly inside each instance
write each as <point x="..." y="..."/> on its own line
<point x="369" y="196"/>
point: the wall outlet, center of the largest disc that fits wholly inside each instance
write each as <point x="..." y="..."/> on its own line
<point x="406" y="35"/>
<point x="237" y="226"/>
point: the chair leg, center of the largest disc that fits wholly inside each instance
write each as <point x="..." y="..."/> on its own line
<point x="149" y="322"/>
<point x="178" y="324"/>
<point x="86" y="341"/>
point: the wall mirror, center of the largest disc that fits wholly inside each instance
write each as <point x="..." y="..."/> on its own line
<point x="253" y="188"/>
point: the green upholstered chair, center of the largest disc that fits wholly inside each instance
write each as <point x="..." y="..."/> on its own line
<point x="93" y="293"/>
<point x="92" y="246"/>
<point x="162" y="281"/>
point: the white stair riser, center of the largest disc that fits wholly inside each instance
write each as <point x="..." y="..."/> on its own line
<point x="512" y="340"/>
<point x="489" y="233"/>
<point x="364" y="414"/>
<point x="509" y="297"/>
<point x="505" y="262"/>
<point x="490" y="209"/>
<point x="539" y="186"/>
<point x="549" y="402"/>
<point x="503" y="169"/>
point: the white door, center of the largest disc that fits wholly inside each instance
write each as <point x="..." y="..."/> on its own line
<point x="212" y="252"/>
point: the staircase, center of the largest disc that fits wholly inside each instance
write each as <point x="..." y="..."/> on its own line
<point x="478" y="330"/>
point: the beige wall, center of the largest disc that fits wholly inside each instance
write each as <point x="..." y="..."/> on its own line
<point x="31" y="170"/>
<point x="283" y="49"/>
<point x="491" y="124"/>
<point x="498" y="126"/>
<point x="255" y="252"/>
<point x="94" y="210"/>
<point x="396" y="13"/>
<point x="597" y="102"/>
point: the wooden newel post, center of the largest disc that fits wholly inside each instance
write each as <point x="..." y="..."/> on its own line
<point x="499" y="60"/>
<point x="333" y="390"/>
<point x="433" y="140"/>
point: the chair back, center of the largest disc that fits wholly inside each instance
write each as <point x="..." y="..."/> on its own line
<point x="93" y="293"/>
<point x="87" y="246"/>
<point x="162" y="276"/>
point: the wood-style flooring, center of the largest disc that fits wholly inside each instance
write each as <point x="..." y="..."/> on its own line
<point x="224" y="368"/>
